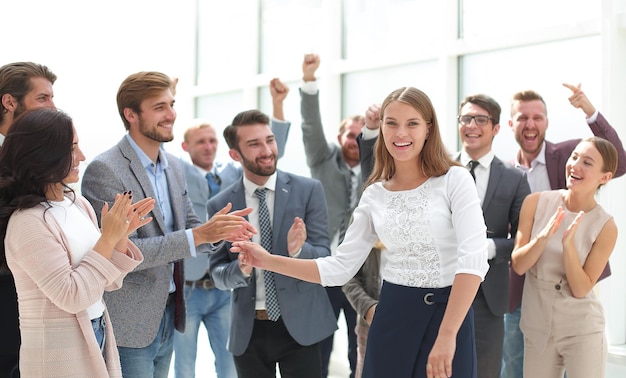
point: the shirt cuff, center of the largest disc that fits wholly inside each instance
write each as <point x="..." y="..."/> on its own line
<point x="491" y="249"/>
<point x="309" y="87"/>
<point x="369" y="133"/>
<point x="191" y="243"/>
<point x="593" y="117"/>
<point x="295" y="254"/>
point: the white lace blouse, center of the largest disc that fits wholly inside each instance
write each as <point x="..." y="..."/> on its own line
<point x="431" y="233"/>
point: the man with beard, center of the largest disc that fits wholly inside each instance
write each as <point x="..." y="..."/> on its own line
<point x="338" y="169"/>
<point x="206" y="304"/>
<point x="150" y="304"/>
<point x="544" y="164"/>
<point x="275" y="318"/>
<point x="23" y="86"/>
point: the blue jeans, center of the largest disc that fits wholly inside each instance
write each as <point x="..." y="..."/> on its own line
<point x="99" y="329"/>
<point x="212" y="308"/>
<point x="513" y="349"/>
<point x="152" y="361"/>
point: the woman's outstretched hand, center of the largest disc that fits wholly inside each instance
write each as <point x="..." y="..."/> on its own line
<point x="251" y="254"/>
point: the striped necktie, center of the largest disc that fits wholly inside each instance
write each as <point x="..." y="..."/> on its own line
<point x="271" y="301"/>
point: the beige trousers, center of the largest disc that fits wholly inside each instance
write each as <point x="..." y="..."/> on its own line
<point x="580" y="356"/>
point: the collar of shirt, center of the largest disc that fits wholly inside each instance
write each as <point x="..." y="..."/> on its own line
<point x="540" y="159"/>
<point x="202" y="171"/>
<point x="482" y="171"/>
<point x="146" y="162"/>
<point x="356" y="170"/>
<point x="250" y="187"/>
<point x="485" y="160"/>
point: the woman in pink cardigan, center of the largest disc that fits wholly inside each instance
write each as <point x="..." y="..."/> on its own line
<point x="61" y="261"/>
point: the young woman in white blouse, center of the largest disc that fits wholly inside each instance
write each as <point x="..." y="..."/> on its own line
<point x="424" y="208"/>
<point x="61" y="261"/>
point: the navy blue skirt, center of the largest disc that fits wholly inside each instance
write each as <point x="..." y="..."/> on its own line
<point x="403" y="332"/>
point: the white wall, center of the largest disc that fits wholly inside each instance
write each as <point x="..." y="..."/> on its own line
<point x="93" y="46"/>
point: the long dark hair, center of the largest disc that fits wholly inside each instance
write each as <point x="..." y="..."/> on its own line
<point x="36" y="154"/>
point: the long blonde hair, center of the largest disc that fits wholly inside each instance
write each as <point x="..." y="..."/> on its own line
<point x="434" y="159"/>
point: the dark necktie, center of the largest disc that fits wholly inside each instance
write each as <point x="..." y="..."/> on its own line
<point x="179" y="311"/>
<point x="472" y="165"/>
<point x="271" y="301"/>
<point x="214" y="184"/>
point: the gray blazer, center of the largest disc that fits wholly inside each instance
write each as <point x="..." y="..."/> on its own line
<point x="305" y="308"/>
<point x="506" y="189"/>
<point x="229" y="173"/>
<point x="326" y="163"/>
<point x="137" y="308"/>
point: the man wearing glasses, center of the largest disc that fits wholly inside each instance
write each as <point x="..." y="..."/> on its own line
<point x="501" y="188"/>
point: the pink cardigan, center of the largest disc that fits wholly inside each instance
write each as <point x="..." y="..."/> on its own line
<point x="57" y="336"/>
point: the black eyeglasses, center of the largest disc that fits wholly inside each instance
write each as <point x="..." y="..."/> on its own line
<point x="481" y="120"/>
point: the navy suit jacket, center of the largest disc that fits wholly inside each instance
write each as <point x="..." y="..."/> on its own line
<point x="305" y="308"/>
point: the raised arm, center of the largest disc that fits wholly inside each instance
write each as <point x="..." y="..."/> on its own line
<point x="600" y="126"/>
<point x="280" y="126"/>
<point x="316" y="147"/>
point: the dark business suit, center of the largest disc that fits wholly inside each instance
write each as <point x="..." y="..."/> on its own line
<point x="305" y="309"/>
<point x="506" y="189"/>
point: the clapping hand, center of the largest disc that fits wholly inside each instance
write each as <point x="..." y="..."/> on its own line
<point x="296" y="236"/>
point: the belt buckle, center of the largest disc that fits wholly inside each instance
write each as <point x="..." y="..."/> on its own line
<point x="207" y="283"/>
<point x="427" y="300"/>
<point x="261" y="315"/>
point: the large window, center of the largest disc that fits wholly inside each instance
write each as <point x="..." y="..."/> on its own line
<point x="448" y="48"/>
<point x="542" y="68"/>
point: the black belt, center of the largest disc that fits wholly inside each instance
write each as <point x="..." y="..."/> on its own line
<point x="204" y="283"/>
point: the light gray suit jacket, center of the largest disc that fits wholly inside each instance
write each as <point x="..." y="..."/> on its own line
<point x="228" y="173"/>
<point x="305" y="308"/>
<point x="137" y="308"/>
<point x="327" y="164"/>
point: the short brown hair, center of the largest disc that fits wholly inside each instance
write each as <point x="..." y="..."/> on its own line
<point x="246" y="118"/>
<point x="489" y="104"/>
<point x="527" y="95"/>
<point x="138" y="87"/>
<point x="355" y="118"/>
<point x="15" y="80"/>
<point x="197" y="124"/>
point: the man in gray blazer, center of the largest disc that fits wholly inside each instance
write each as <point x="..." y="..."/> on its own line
<point x="275" y="318"/>
<point x="502" y="189"/>
<point x="150" y="304"/>
<point x="337" y="167"/>
<point x="205" y="303"/>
